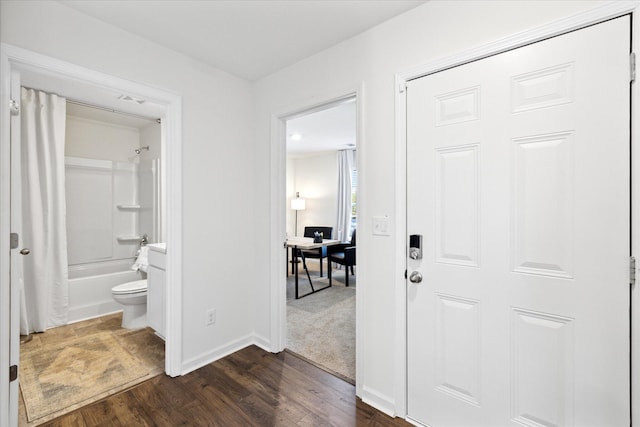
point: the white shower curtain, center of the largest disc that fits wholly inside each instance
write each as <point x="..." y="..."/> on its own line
<point x="46" y="295"/>
<point x="345" y="164"/>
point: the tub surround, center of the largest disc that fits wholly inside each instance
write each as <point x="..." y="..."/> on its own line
<point x="90" y="295"/>
<point x="158" y="247"/>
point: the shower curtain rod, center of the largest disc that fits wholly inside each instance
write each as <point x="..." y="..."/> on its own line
<point x="111" y="110"/>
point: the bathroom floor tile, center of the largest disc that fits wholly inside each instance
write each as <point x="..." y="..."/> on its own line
<point x="143" y="344"/>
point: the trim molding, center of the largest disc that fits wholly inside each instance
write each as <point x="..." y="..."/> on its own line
<point x="205" y="358"/>
<point x="596" y="15"/>
<point x="8" y="393"/>
<point x="609" y="10"/>
<point x="208" y="357"/>
<point x="379" y="401"/>
<point x="262" y="342"/>
<point x="277" y="299"/>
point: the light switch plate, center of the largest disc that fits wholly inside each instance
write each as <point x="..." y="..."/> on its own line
<point x="381" y="225"/>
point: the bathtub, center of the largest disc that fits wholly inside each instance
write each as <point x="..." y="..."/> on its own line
<point x="90" y="288"/>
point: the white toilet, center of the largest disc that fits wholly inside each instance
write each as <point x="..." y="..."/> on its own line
<point x="133" y="296"/>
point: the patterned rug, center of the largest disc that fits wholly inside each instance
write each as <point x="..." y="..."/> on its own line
<point x="64" y="376"/>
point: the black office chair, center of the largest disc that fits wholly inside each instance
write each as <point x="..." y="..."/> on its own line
<point x="320" y="253"/>
<point x="343" y="254"/>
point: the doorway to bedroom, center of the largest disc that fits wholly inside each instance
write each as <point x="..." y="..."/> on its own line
<point x="321" y="198"/>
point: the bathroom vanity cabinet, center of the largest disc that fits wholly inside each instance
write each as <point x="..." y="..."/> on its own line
<point x="156" y="287"/>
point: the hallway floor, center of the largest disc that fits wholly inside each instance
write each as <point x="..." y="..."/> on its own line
<point x="250" y="387"/>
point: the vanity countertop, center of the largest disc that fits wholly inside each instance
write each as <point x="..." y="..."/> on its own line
<point x="158" y="247"/>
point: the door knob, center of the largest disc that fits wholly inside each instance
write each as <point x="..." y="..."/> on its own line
<point x="415" y="277"/>
<point x="25" y="251"/>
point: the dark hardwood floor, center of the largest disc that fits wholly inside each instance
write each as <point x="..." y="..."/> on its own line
<point x="248" y="388"/>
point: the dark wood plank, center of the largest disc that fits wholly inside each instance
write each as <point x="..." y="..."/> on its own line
<point x="248" y="388"/>
<point x="282" y="406"/>
<point x="104" y="412"/>
<point x="74" y="419"/>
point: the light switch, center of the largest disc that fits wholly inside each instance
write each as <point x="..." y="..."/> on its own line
<point x="381" y="225"/>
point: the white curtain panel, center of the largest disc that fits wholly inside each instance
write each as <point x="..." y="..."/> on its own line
<point x="46" y="274"/>
<point x="345" y="164"/>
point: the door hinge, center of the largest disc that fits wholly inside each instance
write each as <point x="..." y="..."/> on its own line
<point x="632" y="67"/>
<point x="632" y="270"/>
<point x="14" y="107"/>
<point x="13" y="373"/>
<point x="402" y="86"/>
<point x="14" y="241"/>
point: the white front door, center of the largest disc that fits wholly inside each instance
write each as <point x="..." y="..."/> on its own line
<point x="518" y="181"/>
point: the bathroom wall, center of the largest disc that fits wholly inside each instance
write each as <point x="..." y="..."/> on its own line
<point x="93" y="139"/>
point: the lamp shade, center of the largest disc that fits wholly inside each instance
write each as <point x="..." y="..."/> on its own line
<point x="298" y="204"/>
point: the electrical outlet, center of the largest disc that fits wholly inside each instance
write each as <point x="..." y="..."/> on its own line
<point x="211" y="316"/>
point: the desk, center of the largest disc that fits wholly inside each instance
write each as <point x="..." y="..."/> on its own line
<point x="305" y="243"/>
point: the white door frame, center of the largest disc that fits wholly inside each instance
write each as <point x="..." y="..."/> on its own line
<point x="12" y="58"/>
<point x="581" y="20"/>
<point x="277" y="213"/>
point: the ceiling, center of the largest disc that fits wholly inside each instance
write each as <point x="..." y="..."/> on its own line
<point x="330" y="129"/>
<point x="250" y="39"/>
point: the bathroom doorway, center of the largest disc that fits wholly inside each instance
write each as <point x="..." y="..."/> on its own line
<point x="97" y="89"/>
<point x="79" y="350"/>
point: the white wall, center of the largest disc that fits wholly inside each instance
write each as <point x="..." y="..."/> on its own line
<point x="316" y="178"/>
<point x="291" y="193"/>
<point x="151" y="135"/>
<point x="434" y="30"/>
<point x="217" y="140"/>
<point x="92" y="139"/>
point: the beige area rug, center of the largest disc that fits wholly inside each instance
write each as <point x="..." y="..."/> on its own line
<point x="62" y="375"/>
<point x="321" y="327"/>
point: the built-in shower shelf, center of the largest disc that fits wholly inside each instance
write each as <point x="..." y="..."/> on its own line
<point x="129" y="207"/>
<point x="129" y="239"/>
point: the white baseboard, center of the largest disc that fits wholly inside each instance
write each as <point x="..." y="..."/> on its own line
<point x="204" y="359"/>
<point x="262" y="342"/>
<point x="379" y="401"/>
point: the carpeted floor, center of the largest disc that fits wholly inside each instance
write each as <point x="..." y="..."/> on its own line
<point x="321" y="327"/>
<point x="73" y="365"/>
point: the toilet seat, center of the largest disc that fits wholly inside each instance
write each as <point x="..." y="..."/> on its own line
<point x="130" y="287"/>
